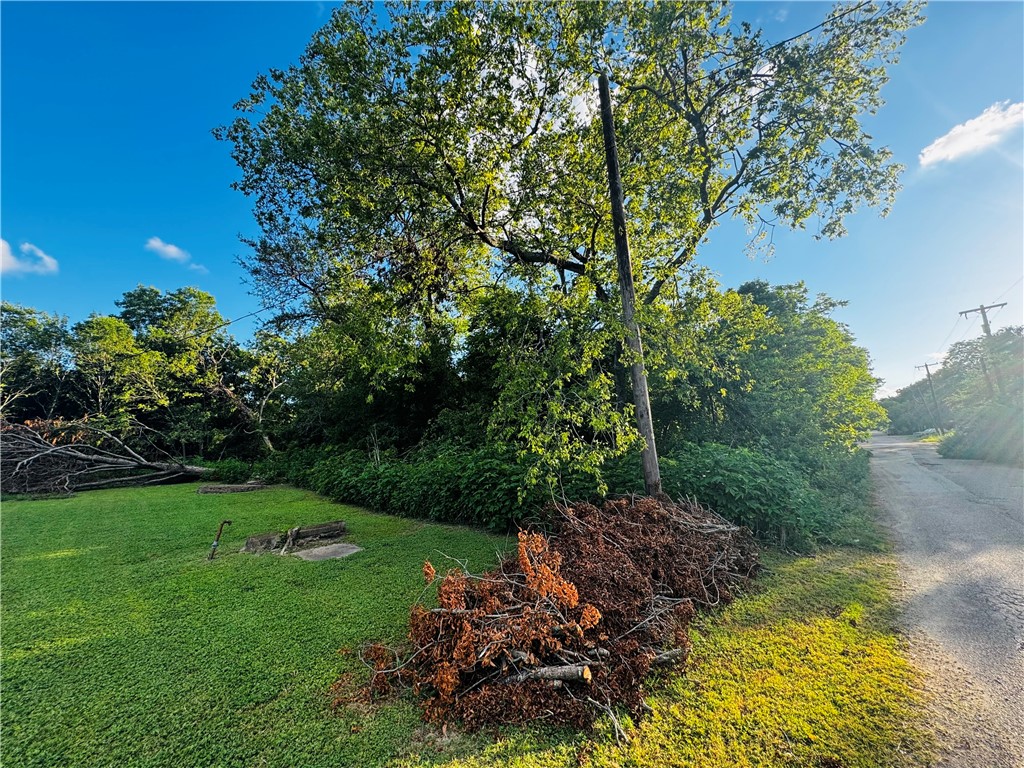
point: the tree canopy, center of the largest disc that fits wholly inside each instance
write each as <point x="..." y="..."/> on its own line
<point x="407" y="170"/>
<point x="458" y="143"/>
<point x="431" y="191"/>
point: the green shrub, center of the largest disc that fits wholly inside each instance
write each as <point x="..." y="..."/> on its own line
<point x="487" y="486"/>
<point x="288" y="466"/>
<point x="230" y="470"/>
<point x="480" y="487"/>
<point x="749" y="488"/>
<point x="995" y="433"/>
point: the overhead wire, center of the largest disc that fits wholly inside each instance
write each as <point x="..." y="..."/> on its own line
<point x="781" y="43"/>
<point x="942" y="343"/>
<point x="1015" y="284"/>
<point x="970" y="326"/>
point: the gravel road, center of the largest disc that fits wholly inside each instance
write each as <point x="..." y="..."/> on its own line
<point x="959" y="532"/>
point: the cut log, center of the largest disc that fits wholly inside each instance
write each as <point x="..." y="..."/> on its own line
<point x="321" y="531"/>
<point x="668" y="657"/>
<point x="295" y="537"/>
<point x="569" y="672"/>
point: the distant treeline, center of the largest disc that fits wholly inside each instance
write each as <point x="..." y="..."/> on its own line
<point x="978" y="392"/>
<point x="515" y="407"/>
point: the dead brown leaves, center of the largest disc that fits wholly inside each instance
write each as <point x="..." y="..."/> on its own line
<point x="571" y="624"/>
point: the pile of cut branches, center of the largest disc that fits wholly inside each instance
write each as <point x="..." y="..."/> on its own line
<point x="571" y="624"/>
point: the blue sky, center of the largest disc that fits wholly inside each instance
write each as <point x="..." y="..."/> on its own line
<point x="110" y="177"/>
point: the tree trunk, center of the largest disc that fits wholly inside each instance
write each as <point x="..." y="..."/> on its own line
<point x="641" y="398"/>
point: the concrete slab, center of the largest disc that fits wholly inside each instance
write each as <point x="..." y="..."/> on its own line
<point x="330" y="552"/>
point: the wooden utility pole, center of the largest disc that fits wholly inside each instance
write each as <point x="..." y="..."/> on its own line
<point x="984" y="316"/>
<point x="641" y="398"/>
<point x="988" y="335"/>
<point x="935" y="400"/>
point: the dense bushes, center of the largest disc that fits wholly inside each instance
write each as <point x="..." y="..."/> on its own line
<point x="488" y="487"/>
<point x="995" y="433"/>
<point x="480" y="487"/>
<point x="749" y="488"/>
<point x="230" y="470"/>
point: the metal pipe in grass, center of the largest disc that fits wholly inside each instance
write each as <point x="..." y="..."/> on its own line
<point x="216" y="541"/>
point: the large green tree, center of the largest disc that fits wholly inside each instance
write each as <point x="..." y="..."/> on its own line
<point x="35" y="363"/>
<point x="811" y="385"/>
<point x="403" y="169"/>
<point x="116" y="378"/>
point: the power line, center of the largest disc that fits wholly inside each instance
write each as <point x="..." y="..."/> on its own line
<point x="970" y="326"/>
<point x="1015" y="284"/>
<point x="232" y="322"/>
<point x="780" y="44"/>
<point x="951" y="330"/>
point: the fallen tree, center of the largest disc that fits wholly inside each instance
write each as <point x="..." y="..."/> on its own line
<point x="570" y="625"/>
<point x="44" y="457"/>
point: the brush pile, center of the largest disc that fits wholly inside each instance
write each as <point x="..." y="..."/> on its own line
<point x="571" y="624"/>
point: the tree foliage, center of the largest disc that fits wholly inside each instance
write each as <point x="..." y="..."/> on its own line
<point x="422" y="155"/>
<point x="161" y="375"/>
<point x="406" y="174"/>
<point x="979" y="391"/>
<point x="34" y="360"/>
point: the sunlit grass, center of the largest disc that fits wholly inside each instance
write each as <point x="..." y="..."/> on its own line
<point x="124" y="645"/>
<point x="806" y="672"/>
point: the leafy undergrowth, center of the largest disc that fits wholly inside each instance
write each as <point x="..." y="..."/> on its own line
<point x="807" y="672"/>
<point x="124" y="645"/>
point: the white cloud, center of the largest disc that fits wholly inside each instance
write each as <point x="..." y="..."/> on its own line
<point x="35" y="262"/>
<point x="979" y="133"/>
<point x="174" y="253"/>
<point x="167" y="251"/>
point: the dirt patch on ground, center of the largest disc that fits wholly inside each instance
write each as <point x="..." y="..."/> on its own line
<point x="241" y="488"/>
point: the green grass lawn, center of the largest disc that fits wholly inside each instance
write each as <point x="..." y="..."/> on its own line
<point x="122" y="645"/>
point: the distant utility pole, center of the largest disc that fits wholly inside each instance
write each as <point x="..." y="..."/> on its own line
<point x="984" y="316"/>
<point x="935" y="400"/>
<point x="988" y="335"/>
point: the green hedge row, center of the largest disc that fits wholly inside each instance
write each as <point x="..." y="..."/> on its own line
<point x="749" y="488"/>
<point x="484" y="487"/>
<point x="479" y="487"/>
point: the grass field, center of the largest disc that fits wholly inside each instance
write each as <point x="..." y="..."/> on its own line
<point x="122" y="645"/>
